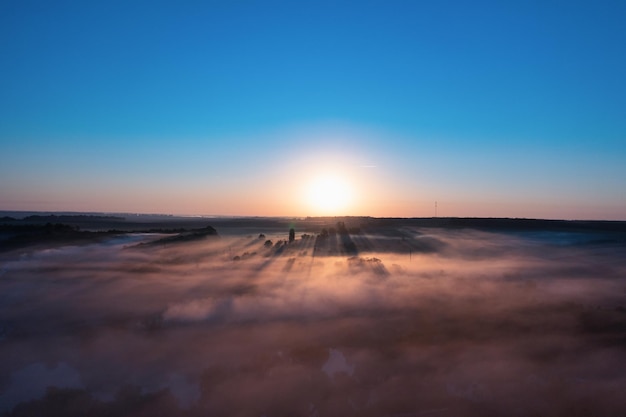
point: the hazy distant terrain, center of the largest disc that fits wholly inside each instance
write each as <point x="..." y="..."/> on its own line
<point x="356" y="316"/>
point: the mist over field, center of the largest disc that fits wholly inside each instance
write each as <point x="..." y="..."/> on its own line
<point x="310" y="208"/>
<point x="403" y="321"/>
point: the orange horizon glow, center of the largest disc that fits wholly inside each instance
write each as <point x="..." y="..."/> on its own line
<point x="278" y="208"/>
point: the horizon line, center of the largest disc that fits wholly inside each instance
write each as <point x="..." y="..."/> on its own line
<point x="230" y="216"/>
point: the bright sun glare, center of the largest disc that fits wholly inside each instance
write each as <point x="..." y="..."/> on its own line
<point x="329" y="195"/>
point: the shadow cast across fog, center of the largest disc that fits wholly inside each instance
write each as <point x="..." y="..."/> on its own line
<point x="410" y="322"/>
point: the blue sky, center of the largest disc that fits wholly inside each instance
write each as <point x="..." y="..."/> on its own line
<point x="490" y="108"/>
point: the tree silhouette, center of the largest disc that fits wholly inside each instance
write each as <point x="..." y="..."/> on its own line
<point x="292" y="235"/>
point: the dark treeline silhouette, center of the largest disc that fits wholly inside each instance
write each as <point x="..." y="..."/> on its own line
<point x="349" y="246"/>
<point x="335" y="241"/>
<point x="499" y="223"/>
<point x="15" y="236"/>
<point x="336" y="235"/>
<point x="66" y="218"/>
<point x="185" y="236"/>
<point x="142" y="223"/>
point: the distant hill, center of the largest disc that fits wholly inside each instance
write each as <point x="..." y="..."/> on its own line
<point x="16" y="235"/>
<point x="183" y="237"/>
<point x="511" y="224"/>
<point x="52" y="218"/>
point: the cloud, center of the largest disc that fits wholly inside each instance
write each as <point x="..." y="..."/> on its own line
<point x="337" y="363"/>
<point x="473" y="323"/>
<point x="31" y="382"/>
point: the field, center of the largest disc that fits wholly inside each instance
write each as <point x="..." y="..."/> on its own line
<point x="355" y="316"/>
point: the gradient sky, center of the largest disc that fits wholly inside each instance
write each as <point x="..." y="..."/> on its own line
<point x="513" y="109"/>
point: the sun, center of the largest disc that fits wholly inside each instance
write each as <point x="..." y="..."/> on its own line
<point x="329" y="195"/>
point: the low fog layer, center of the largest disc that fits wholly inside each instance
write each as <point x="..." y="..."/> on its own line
<point x="406" y="322"/>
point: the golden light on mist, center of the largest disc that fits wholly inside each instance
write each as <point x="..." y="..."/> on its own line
<point x="328" y="195"/>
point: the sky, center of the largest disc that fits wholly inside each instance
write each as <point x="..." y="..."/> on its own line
<point x="250" y="108"/>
